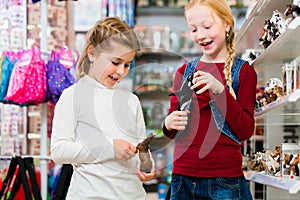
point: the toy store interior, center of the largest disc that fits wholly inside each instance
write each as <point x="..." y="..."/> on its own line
<point x="267" y="36"/>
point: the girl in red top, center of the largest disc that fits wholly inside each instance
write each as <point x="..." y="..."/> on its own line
<point x="208" y="164"/>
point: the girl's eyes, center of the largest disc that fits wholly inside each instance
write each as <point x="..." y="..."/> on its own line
<point x="193" y="30"/>
<point x="117" y="63"/>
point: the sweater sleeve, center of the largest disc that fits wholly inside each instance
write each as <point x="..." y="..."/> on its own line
<point x="241" y="115"/>
<point x="64" y="147"/>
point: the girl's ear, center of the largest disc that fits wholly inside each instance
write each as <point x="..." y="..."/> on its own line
<point x="90" y="53"/>
<point x="227" y="26"/>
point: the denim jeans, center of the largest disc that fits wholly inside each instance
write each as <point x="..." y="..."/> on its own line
<point x="191" y="188"/>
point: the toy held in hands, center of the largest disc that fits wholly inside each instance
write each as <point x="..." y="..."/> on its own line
<point x="144" y="155"/>
<point x="185" y="93"/>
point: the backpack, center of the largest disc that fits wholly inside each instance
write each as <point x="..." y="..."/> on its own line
<point x="59" y="76"/>
<point x="27" y="83"/>
<point x="6" y="69"/>
<point x="221" y="123"/>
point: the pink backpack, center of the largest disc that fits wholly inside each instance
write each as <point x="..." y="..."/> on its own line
<point x="28" y="79"/>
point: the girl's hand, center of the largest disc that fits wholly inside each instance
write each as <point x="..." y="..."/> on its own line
<point x="205" y="81"/>
<point x="146" y="176"/>
<point x="123" y="149"/>
<point x="177" y="120"/>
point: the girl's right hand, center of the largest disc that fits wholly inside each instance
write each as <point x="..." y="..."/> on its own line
<point x="124" y="150"/>
<point x="177" y="120"/>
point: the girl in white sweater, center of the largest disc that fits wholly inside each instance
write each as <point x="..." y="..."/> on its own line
<point x="96" y="125"/>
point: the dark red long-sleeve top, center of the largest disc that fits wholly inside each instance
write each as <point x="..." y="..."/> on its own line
<point x="201" y="150"/>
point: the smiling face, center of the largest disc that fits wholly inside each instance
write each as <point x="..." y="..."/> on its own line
<point x="110" y="66"/>
<point x="208" y="30"/>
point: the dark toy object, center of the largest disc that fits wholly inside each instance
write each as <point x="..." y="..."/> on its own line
<point x="143" y="148"/>
<point x="184" y="94"/>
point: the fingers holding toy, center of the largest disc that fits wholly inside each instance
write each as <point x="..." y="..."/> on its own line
<point x="177" y="120"/>
<point x="123" y="149"/>
<point x="144" y="177"/>
<point x="205" y="81"/>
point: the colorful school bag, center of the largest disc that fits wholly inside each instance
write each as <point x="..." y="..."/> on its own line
<point x="27" y="84"/>
<point x="21" y="180"/>
<point x="59" y="75"/>
<point x="6" y="70"/>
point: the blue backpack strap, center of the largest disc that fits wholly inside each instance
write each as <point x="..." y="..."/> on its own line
<point x="222" y="125"/>
<point x="235" y="73"/>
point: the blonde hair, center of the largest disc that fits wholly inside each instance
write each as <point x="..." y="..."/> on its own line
<point x="222" y="10"/>
<point x="99" y="39"/>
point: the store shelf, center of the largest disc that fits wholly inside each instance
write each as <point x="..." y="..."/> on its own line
<point x="81" y="29"/>
<point x="290" y="185"/>
<point x="159" y="90"/>
<point x="252" y="29"/>
<point x="166" y="53"/>
<point x="150" y="11"/>
<point x="280" y="102"/>
<point x="283" y="50"/>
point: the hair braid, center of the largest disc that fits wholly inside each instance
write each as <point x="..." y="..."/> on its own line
<point x="229" y="60"/>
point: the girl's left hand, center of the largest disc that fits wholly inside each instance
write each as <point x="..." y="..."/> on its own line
<point x="205" y="81"/>
<point x="144" y="177"/>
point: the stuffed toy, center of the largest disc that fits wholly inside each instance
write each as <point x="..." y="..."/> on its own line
<point x="273" y="91"/>
<point x="275" y="85"/>
<point x="267" y="161"/>
<point x="291" y="164"/>
<point x="272" y="29"/>
<point x="277" y="21"/>
<point x="144" y="155"/>
<point x="267" y="98"/>
<point x="293" y="10"/>
<point x="265" y="40"/>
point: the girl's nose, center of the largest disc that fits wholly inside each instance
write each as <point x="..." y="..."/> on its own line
<point x="201" y="36"/>
<point x="121" y="69"/>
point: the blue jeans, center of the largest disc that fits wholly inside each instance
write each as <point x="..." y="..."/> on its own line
<point x="192" y="188"/>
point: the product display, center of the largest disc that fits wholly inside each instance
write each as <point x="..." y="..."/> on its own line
<point x="31" y="78"/>
<point x="283" y="162"/>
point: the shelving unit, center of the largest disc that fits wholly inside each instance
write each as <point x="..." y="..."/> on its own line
<point x="280" y="102"/>
<point x="150" y="11"/>
<point x="283" y="50"/>
<point x="276" y="116"/>
<point x="290" y="185"/>
<point x="251" y="30"/>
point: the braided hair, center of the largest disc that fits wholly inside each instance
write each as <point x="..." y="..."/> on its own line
<point x="99" y="38"/>
<point x="222" y="9"/>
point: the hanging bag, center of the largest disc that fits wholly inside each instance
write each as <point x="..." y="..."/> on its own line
<point x="21" y="172"/>
<point x="29" y="166"/>
<point x="59" y="76"/>
<point x="6" y="70"/>
<point x="63" y="183"/>
<point x="28" y="80"/>
<point x="8" y="181"/>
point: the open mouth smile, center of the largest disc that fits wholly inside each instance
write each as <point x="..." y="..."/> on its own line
<point x="205" y="43"/>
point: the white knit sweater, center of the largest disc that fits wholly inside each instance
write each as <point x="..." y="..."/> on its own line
<point x="87" y="117"/>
